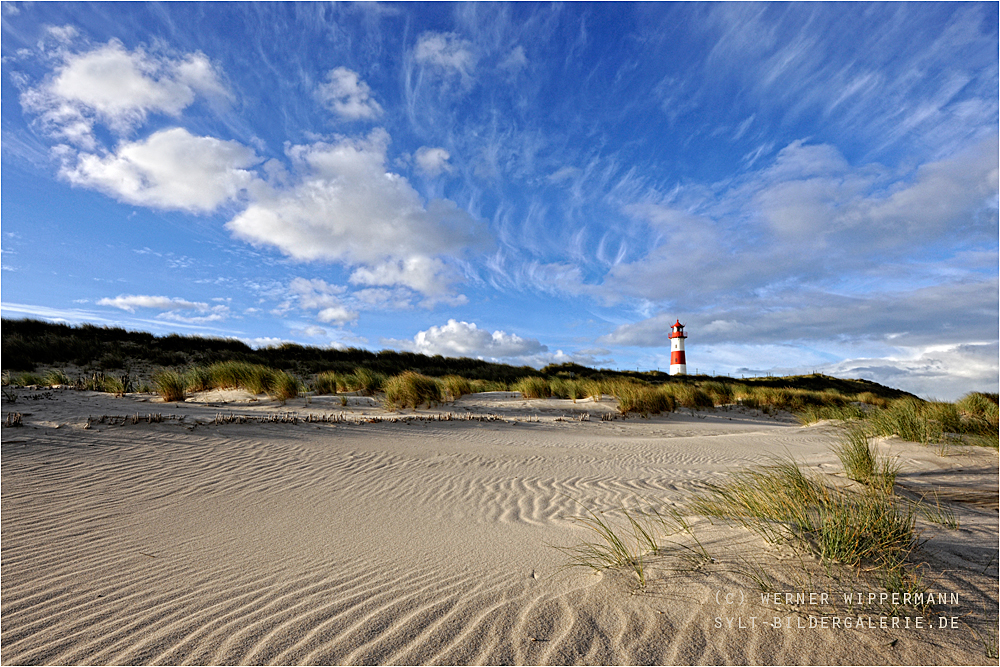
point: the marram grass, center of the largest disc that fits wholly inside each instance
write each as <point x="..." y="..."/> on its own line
<point x="782" y="504"/>
<point x="863" y="463"/>
<point x="411" y="390"/>
<point x="533" y="387"/>
<point x="170" y="386"/>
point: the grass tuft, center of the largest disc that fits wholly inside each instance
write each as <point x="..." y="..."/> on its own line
<point x="170" y="386"/>
<point x="55" y="377"/>
<point x="533" y="387"/>
<point x="456" y="386"/>
<point x="641" y="398"/>
<point x="410" y="390"/>
<point x="614" y="546"/>
<point x="326" y="383"/>
<point x="862" y="462"/>
<point x="781" y="504"/>
<point x="283" y="386"/>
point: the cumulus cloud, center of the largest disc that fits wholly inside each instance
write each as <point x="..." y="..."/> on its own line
<point x="347" y="95"/>
<point x="448" y="55"/>
<point x="465" y="339"/>
<point x="347" y="208"/>
<point x="337" y="202"/>
<point x="433" y="161"/>
<point x="171" y="169"/>
<point x="118" y="88"/>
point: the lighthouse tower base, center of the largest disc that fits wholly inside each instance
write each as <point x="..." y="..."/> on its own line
<point x="678" y="369"/>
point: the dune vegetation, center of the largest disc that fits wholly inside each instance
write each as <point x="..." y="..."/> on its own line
<point x="117" y="361"/>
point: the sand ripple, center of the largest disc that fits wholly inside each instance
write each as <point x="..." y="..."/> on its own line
<point x="409" y="544"/>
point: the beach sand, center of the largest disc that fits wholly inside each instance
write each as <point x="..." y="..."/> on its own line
<point x="341" y="540"/>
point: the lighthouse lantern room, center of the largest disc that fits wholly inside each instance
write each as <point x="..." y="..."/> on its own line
<point x="678" y="364"/>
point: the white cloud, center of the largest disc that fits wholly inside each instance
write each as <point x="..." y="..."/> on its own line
<point x="345" y="207"/>
<point x="171" y="169"/>
<point x="564" y="174"/>
<point x="311" y="331"/>
<point x="317" y="294"/>
<point x="448" y="54"/>
<point x="174" y="309"/>
<point x="264" y="342"/>
<point x="515" y="60"/>
<point x="937" y="372"/>
<point x="336" y="315"/>
<point x="915" y="317"/>
<point x="118" y="88"/>
<point x="213" y="314"/>
<point x="347" y="96"/>
<point x="809" y="219"/>
<point x="433" y="161"/>
<point x="65" y="33"/>
<point x="130" y="302"/>
<point x="381" y="298"/>
<point x="465" y="339"/>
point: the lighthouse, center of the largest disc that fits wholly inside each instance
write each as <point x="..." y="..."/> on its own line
<point x="678" y="364"/>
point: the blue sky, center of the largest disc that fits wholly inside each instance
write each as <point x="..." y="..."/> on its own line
<point x="808" y="187"/>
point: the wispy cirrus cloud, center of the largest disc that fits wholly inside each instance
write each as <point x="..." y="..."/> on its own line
<point x="174" y="309"/>
<point x="131" y="302"/>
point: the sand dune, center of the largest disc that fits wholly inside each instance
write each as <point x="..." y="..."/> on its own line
<point x="428" y="542"/>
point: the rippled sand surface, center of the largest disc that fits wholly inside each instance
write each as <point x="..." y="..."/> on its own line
<point x="427" y="542"/>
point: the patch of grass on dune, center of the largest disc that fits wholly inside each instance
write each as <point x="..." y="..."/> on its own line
<point x="24" y="379"/>
<point x="631" y="543"/>
<point x="56" y="376"/>
<point x="533" y="387"/>
<point x="862" y="462"/>
<point x="411" y="390"/>
<point x="720" y="393"/>
<point x="784" y="505"/>
<point x="326" y="383"/>
<point x="198" y="379"/>
<point x="814" y="413"/>
<point x="455" y="386"/>
<point x="171" y="386"/>
<point x="980" y="415"/>
<point x="365" y="381"/>
<point x="969" y="421"/>
<point x="479" y="386"/>
<point x="284" y="386"/>
<point x="689" y="396"/>
<point x="641" y="398"/>
<point x="613" y="547"/>
<point x="255" y="378"/>
<point x="593" y="389"/>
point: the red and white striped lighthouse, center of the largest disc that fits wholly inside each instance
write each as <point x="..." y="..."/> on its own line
<point x="678" y="364"/>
